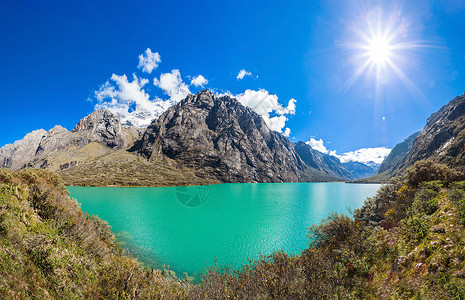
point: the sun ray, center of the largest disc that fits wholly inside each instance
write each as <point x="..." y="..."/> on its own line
<point x="381" y="49"/>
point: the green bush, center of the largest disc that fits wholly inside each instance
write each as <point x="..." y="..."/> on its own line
<point x="427" y="170"/>
<point x="426" y="201"/>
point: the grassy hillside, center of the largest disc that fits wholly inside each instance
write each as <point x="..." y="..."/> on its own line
<point x="121" y="168"/>
<point x="407" y="242"/>
<point x="50" y="250"/>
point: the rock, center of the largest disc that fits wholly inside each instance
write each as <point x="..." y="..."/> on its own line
<point x="40" y="148"/>
<point x="437" y="229"/>
<point x="397" y="155"/>
<point x="442" y="139"/>
<point x="101" y="126"/>
<point x="220" y="139"/>
<point x="15" y="156"/>
<point x="459" y="274"/>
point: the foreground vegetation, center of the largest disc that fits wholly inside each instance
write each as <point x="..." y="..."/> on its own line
<point x="50" y="250"/>
<point x="407" y="242"/>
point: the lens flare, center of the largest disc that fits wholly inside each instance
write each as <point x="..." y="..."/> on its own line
<point x="381" y="48"/>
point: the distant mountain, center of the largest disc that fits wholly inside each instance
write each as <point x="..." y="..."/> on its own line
<point x="360" y="170"/>
<point x="331" y="165"/>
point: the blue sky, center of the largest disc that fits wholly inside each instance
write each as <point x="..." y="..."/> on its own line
<point x="54" y="56"/>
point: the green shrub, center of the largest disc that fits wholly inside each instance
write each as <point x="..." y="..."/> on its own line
<point x="426" y="201"/>
<point x="427" y="170"/>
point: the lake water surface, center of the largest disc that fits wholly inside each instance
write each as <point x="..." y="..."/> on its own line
<point x="189" y="227"/>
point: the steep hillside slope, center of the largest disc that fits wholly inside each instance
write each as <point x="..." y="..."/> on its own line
<point x="441" y="140"/>
<point x="50" y="250"/>
<point x="397" y="155"/>
<point x="443" y="137"/>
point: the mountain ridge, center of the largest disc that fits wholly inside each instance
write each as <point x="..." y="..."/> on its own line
<point x="202" y="139"/>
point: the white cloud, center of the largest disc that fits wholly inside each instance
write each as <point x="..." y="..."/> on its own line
<point x="287" y="132"/>
<point x="317" y="145"/>
<point x="172" y="85"/>
<point x="199" y="81"/>
<point x="242" y="73"/>
<point x="267" y="106"/>
<point x="364" y="155"/>
<point x="149" y="62"/>
<point x="129" y="101"/>
<point x="135" y="106"/>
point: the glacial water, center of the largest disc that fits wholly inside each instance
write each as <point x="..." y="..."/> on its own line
<point x="187" y="228"/>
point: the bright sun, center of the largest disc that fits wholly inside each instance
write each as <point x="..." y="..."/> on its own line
<point x="379" y="51"/>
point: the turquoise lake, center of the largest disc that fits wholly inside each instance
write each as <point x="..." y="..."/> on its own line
<point x="187" y="228"/>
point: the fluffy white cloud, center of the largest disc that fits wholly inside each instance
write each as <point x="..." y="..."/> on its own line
<point x="287" y="132"/>
<point x="364" y="155"/>
<point x="199" y="81"/>
<point x="149" y="61"/>
<point x="172" y="85"/>
<point x="128" y="100"/>
<point x="317" y="145"/>
<point x="267" y="106"/>
<point x="242" y="73"/>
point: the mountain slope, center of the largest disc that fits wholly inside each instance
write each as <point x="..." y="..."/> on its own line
<point x="443" y="137"/>
<point x="201" y="140"/>
<point x="441" y="140"/>
<point x="397" y="154"/>
<point x="359" y="170"/>
<point x="221" y="139"/>
<point x="332" y="165"/>
<point x="322" y="162"/>
<point x="94" y="154"/>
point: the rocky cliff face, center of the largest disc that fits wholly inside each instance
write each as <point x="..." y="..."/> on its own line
<point x="397" y="155"/>
<point x="59" y="147"/>
<point x="15" y="156"/>
<point x="101" y="126"/>
<point x="220" y="139"/>
<point x="441" y="140"/>
<point x="443" y="137"/>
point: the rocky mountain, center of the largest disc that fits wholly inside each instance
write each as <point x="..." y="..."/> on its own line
<point x="17" y="155"/>
<point x="360" y="170"/>
<point x="397" y="155"/>
<point x="443" y="137"/>
<point x="93" y="153"/>
<point x="441" y="140"/>
<point x="221" y="139"/>
<point x="202" y="139"/>
<point x="332" y="165"/>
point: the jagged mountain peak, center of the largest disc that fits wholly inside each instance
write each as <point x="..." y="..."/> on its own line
<point x="221" y="139"/>
<point x="101" y="118"/>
